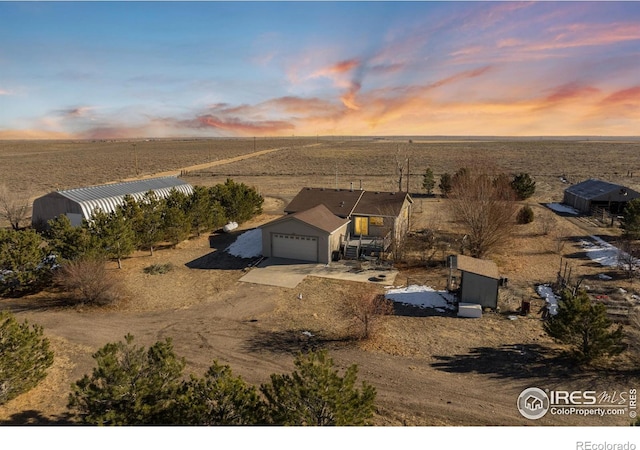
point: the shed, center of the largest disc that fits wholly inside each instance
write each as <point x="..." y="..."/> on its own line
<point x="79" y="204"/>
<point x="309" y="235"/>
<point x="479" y="280"/>
<point x="594" y="193"/>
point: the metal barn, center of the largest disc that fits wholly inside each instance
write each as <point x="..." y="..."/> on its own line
<point x="78" y="204"/>
<point x="594" y="193"/>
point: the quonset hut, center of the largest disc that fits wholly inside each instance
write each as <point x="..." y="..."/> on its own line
<point x="78" y="204"/>
<point x="597" y="193"/>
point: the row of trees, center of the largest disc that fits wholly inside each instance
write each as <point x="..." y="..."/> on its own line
<point x="27" y="257"/>
<point x="132" y="385"/>
<point x="522" y="183"/>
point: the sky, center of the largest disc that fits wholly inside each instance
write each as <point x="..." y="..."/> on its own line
<point x="117" y="70"/>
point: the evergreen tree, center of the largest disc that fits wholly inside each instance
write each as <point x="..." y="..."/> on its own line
<point x="176" y="220"/>
<point x="445" y="184"/>
<point x="25" y="265"/>
<point x="199" y="210"/>
<point x="523" y="185"/>
<point x="24" y="356"/>
<point x="111" y="234"/>
<point x="66" y="241"/>
<point x="239" y="201"/>
<point x="130" y="386"/>
<point x="149" y="229"/>
<point x="428" y="181"/>
<point x="315" y="394"/>
<point x="584" y="326"/>
<point x="631" y="219"/>
<point x="219" y="399"/>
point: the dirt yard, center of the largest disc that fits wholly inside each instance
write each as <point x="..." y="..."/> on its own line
<point x="428" y="369"/>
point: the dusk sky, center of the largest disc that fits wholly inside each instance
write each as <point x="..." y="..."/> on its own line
<point x="211" y="69"/>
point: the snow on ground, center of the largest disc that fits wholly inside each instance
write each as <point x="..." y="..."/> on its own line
<point x="601" y="251"/>
<point x="422" y="296"/>
<point x="559" y="207"/>
<point x="247" y="245"/>
<point x="545" y="291"/>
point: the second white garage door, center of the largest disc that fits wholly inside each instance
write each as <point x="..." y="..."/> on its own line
<point x="295" y="247"/>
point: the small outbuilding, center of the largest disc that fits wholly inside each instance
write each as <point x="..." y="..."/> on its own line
<point x="594" y="193"/>
<point x="79" y="204"/>
<point x="310" y="235"/>
<point x="479" y="280"/>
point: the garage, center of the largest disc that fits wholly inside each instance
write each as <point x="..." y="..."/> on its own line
<point x="291" y="246"/>
<point x="312" y="235"/>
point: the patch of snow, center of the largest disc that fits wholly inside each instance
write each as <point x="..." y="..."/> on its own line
<point x="247" y="245"/>
<point x="545" y="292"/>
<point x="307" y="333"/>
<point x="422" y="296"/>
<point x="559" y="207"/>
<point x="603" y="276"/>
<point x="604" y="253"/>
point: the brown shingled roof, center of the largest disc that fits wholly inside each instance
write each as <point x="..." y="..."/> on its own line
<point x="340" y="202"/>
<point x="482" y="267"/>
<point x="381" y="203"/>
<point x="319" y="217"/>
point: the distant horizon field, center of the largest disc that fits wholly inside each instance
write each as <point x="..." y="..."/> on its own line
<point x="34" y="168"/>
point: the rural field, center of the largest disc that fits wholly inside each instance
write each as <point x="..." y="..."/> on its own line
<point x="429" y="369"/>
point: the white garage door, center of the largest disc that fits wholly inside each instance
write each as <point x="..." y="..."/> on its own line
<point x="295" y="247"/>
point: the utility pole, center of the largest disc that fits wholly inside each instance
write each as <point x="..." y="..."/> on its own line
<point x="135" y="158"/>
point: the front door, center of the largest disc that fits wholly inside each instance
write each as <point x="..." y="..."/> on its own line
<point x="361" y="226"/>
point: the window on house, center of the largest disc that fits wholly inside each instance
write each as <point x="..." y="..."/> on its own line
<point x="376" y="221"/>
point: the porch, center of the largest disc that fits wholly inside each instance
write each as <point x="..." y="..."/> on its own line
<point x="364" y="247"/>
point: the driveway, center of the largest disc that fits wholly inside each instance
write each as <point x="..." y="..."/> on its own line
<point x="289" y="273"/>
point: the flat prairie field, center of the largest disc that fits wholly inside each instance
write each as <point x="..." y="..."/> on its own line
<point x="38" y="167"/>
<point x="428" y="368"/>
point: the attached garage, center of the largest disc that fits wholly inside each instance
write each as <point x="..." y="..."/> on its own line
<point x="311" y="235"/>
<point x="291" y="246"/>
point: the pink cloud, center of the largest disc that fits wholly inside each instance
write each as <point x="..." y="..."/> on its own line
<point x="630" y="96"/>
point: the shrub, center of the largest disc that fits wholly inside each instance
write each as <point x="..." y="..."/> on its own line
<point x="25" y="357"/>
<point x="158" y="269"/>
<point x="89" y="281"/>
<point x="525" y="215"/>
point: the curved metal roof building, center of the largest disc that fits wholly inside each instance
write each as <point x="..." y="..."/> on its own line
<point x="78" y="204"/>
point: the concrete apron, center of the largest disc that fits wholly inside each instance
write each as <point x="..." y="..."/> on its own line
<point x="289" y="273"/>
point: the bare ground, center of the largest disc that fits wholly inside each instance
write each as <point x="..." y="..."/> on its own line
<point x="427" y="369"/>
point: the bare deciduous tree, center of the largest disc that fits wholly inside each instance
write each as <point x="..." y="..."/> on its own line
<point x="628" y="256"/>
<point x="366" y="309"/>
<point x="14" y="208"/>
<point x="485" y="207"/>
<point x="89" y="281"/>
<point x="402" y="167"/>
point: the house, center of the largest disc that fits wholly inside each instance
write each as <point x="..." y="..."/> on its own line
<point x="79" y="204"/>
<point x="479" y="280"/>
<point x="594" y="193"/>
<point x="347" y="221"/>
<point x="309" y="235"/>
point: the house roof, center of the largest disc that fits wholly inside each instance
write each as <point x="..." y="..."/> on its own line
<point x="482" y="267"/>
<point x="381" y="203"/>
<point x="593" y="188"/>
<point x="319" y="217"/>
<point x="340" y="202"/>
